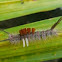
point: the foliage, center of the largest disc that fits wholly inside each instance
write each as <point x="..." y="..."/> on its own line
<point x="13" y="8"/>
<point x="42" y="50"/>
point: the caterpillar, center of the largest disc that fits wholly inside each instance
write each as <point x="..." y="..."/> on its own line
<point x="30" y="34"/>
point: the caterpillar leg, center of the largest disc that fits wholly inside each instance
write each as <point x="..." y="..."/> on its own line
<point x="23" y="42"/>
<point x="27" y="43"/>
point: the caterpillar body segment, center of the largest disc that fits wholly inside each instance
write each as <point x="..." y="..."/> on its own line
<point x="48" y="33"/>
<point x="54" y="32"/>
<point x="14" y="39"/>
<point x="43" y="34"/>
<point x="33" y="33"/>
<point x="29" y="36"/>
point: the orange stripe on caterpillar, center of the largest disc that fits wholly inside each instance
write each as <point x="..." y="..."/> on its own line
<point x="24" y="31"/>
<point x="28" y="30"/>
<point x="33" y="30"/>
<point x="21" y="32"/>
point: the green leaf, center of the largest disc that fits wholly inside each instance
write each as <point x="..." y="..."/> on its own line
<point x="42" y="50"/>
<point x="14" y="8"/>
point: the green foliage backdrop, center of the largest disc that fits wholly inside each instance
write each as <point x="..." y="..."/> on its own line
<point x="42" y="50"/>
<point x="12" y="8"/>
